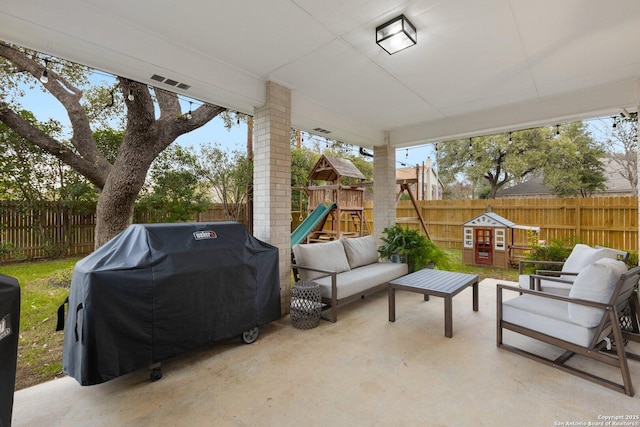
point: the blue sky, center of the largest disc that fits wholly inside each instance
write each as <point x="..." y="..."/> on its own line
<point x="45" y="106"/>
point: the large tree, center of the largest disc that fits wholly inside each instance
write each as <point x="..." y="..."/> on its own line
<point x="174" y="190"/>
<point x="622" y="147"/>
<point x="229" y="174"/>
<point x="496" y="160"/>
<point x="574" y="163"/>
<point x="146" y="134"/>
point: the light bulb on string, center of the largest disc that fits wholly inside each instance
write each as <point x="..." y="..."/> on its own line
<point x="44" y="78"/>
<point x="131" y="97"/>
<point x="470" y="145"/>
<point x="189" y="113"/>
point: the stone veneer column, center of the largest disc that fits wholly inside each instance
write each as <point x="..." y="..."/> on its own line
<point x="272" y="179"/>
<point x="384" y="187"/>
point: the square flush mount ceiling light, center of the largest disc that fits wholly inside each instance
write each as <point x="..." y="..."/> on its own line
<point x="396" y="35"/>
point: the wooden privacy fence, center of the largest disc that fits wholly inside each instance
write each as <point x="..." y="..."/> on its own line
<point x="606" y="221"/>
<point x="56" y="230"/>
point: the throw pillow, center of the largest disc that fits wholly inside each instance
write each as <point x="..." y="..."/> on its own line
<point x="360" y="250"/>
<point x="325" y="256"/>
<point x="596" y="282"/>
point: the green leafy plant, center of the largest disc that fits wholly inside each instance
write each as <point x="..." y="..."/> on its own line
<point x="557" y="250"/>
<point x="414" y="248"/>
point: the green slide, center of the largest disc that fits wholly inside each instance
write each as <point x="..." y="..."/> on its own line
<point x="310" y="222"/>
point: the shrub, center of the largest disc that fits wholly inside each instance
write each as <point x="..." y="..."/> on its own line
<point x="418" y="251"/>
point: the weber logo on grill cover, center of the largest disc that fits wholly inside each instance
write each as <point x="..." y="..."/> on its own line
<point x="5" y="327"/>
<point x="204" y="235"/>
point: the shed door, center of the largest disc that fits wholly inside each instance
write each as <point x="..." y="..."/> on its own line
<point x="484" y="246"/>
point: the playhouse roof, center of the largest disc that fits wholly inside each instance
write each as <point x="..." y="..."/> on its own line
<point x="330" y="168"/>
<point x="491" y="219"/>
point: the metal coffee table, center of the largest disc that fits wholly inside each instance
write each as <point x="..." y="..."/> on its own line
<point x="444" y="284"/>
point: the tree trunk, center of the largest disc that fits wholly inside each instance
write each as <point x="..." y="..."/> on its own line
<point x="114" y="211"/>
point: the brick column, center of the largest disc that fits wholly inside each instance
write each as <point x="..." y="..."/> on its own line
<point x="384" y="187"/>
<point x="272" y="179"/>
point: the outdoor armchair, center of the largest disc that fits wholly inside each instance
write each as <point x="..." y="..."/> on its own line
<point x="586" y="323"/>
<point x="580" y="257"/>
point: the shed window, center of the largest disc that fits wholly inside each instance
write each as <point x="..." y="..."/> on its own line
<point x="499" y="239"/>
<point x="468" y="237"/>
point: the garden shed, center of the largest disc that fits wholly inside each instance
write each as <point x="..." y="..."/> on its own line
<point x="489" y="239"/>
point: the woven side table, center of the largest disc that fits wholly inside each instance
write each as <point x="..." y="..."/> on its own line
<point x="306" y="305"/>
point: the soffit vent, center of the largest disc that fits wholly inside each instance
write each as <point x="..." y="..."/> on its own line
<point x="322" y="130"/>
<point x="170" y="82"/>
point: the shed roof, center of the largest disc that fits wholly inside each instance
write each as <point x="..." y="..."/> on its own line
<point x="491" y="219"/>
<point x="329" y="168"/>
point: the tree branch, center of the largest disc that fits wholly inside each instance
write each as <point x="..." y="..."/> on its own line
<point x="51" y="146"/>
<point x="69" y="96"/>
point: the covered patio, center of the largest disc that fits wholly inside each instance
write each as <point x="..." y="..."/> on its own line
<point x="362" y="370"/>
<point x="477" y="68"/>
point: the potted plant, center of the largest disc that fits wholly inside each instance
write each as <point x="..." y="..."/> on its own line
<point x="410" y="246"/>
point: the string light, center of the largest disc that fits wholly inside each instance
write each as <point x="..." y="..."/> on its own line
<point x="44" y="78"/>
<point x="510" y="141"/>
<point x="131" y="97"/>
<point x="189" y="113"/>
<point x="470" y="145"/>
<point x="557" y="130"/>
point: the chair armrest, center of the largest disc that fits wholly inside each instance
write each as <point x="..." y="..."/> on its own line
<point x="554" y="273"/>
<point x="333" y="274"/>
<point x="579" y="301"/>
<point x="524" y="262"/>
<point x="302" y="267"/>
<point x="534" y="279"/>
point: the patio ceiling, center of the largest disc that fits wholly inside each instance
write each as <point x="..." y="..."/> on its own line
<point x="479" y="66"/>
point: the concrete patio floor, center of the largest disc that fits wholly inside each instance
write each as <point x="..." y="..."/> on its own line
<point x="361" y="371"/>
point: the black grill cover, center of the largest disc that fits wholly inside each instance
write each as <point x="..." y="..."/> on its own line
<point x="9" y="330"/>
<point x="157" y="290"/>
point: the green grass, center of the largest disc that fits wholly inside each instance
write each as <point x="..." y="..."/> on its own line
<point x="43" y="287"/>
<point x="455" y="255"/>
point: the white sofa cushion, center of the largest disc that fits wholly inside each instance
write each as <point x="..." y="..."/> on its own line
<point x="547" y="316"/>
<point x="324" y="256"/>
<point x="361" y="279"/>
<point x="596" y="282"/>
<point x="360" y="250"/>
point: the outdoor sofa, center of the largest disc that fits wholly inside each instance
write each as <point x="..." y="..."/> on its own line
<point x="346" y="269"/>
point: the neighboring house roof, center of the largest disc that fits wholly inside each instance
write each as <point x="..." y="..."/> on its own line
<point x="615" y="183"/>
<point x="406" y="173"/>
